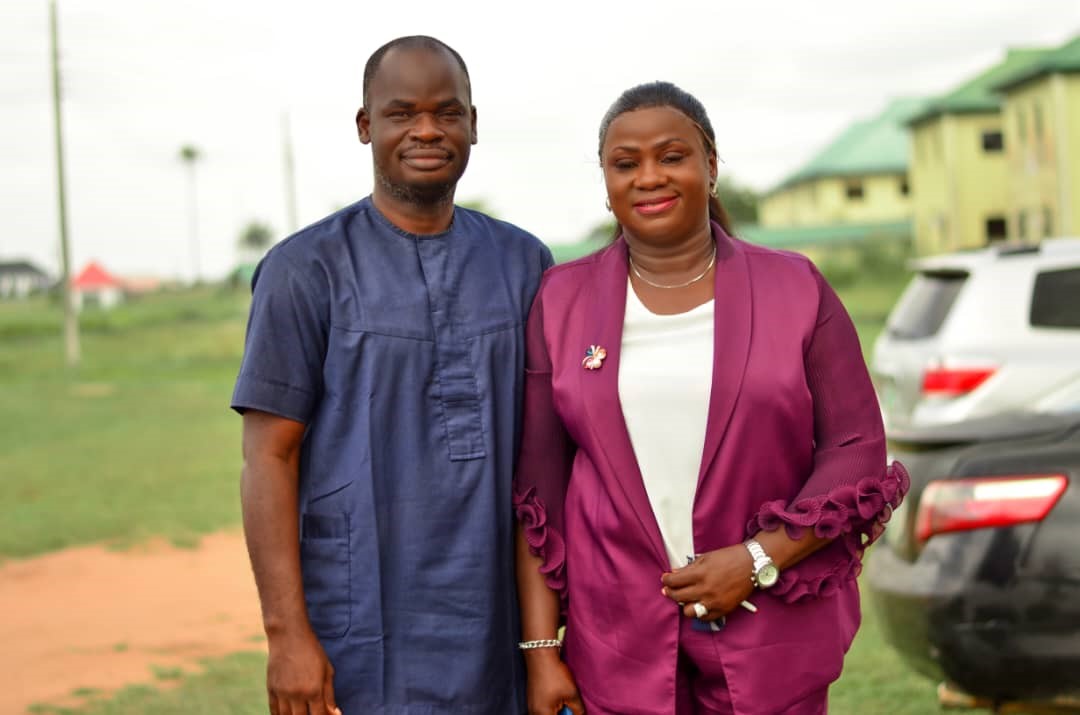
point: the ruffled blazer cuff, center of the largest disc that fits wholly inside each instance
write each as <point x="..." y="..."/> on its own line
<point x="852" y="514"/>
<point x="543" y="538"/>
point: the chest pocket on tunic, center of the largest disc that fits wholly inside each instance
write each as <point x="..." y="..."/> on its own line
<point x="324" y="558"/>
<point x="460" y="400"/>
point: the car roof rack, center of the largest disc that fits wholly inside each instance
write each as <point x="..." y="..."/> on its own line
<point x="1018" y="249"/>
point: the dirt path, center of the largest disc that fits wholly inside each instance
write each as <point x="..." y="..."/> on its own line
<point x="88" y="617"/>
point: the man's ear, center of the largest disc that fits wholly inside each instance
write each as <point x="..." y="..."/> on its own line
<point x="472" y="111"/>
<point x="363" y="125"/>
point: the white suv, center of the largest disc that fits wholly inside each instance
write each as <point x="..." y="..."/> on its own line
<point x="981" y="332"/>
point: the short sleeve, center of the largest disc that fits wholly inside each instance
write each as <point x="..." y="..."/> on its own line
<point x="851" y="491"/>
<point x="285" y="345"/>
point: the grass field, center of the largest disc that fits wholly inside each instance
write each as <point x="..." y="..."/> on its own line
<point x="139" y="442"/>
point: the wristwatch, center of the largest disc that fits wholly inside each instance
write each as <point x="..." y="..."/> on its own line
<point x="765" y="572"/>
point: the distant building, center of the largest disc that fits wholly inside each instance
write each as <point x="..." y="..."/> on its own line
<point x="1041" y="107"/>
<point x="856" y="188"/>
<point x="18" y="279"/>
<point x="97" y="287"/>
<point x="959" y="173"/>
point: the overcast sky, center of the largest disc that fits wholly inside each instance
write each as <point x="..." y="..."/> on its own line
<point x="142" y="78"/>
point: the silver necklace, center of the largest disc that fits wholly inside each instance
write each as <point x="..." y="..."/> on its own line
<point x="692" y="281"/>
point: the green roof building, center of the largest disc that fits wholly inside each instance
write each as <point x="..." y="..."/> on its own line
<point x="854" y="188"/>
<point x="959" y="170"/>
<point x="1041" y="113"/>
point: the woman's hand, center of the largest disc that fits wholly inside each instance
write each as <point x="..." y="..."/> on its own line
<point x="720" y="580"/>
<point x="550" y="684"/>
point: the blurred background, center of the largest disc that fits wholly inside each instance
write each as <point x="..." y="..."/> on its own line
<point x="152" y="153"/>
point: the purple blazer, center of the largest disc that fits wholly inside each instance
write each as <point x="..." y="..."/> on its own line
<point x="794" y="439"/>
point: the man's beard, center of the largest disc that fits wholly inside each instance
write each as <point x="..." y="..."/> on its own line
<point x="427" y="195"/>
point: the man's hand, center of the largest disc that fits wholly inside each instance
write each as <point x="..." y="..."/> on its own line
<point x="299" y="676"/>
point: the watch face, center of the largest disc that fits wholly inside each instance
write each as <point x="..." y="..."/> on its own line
<point x="767" y="575"/>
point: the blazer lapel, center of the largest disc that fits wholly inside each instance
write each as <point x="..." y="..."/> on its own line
<point x="731" y="342"/>
<point x="600" y="388"/>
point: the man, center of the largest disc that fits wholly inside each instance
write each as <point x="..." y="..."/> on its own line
<point x="381" y="388"/>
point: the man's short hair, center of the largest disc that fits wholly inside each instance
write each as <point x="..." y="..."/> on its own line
<point x="412" y="42"/>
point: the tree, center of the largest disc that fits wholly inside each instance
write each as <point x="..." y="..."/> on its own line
<point x="256" y="237"/>
<point x="480" y="205"/>
<point x="601" y="232"/>
<point x="741" y="202"/>
<point x="190" y="155"/>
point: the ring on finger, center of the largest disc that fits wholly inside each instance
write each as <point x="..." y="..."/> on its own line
<point x="700" y="610"/>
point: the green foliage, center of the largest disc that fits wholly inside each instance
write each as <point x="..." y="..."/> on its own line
<point x="256" y="236"/>
<point x="137" y="442"/>
<point x="601" y="233"/>
<point x="480" y="205"/>
<point x="741" y="202"/>
<point x="42" y="317"/>
<point x="189" y="154"/>
<point x="166" y="673"/>
<point x="234" y="685"/>
<point x="871" y="260"/>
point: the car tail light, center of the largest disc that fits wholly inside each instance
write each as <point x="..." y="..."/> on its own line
<point x="984" y="502"/>
<point x="953" y="382"/>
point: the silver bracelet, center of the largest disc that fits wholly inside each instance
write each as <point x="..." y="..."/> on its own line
<point x="545" y="643"/>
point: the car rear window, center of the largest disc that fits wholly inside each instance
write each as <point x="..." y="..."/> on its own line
<point x="1055" y="303"/>
<point x="925" y="304"/>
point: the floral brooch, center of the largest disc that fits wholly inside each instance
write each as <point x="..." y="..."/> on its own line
<point x="594" y="358"/>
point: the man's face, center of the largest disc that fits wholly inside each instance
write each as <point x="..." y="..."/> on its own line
<point x="420" y="123"/>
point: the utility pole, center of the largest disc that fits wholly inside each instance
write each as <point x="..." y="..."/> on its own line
<point x="290" y="174"/>
<point x="71" y="317"/>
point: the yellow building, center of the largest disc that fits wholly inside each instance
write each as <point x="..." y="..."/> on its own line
<point x="1041" y="107"/>
<point x="959" y="173"/>
<point x="858" y="183"/>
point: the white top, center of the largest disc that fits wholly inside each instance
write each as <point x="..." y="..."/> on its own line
<point x="665" y="378"/>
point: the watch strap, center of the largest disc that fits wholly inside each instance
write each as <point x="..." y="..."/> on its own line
<point x="757" y="553"/>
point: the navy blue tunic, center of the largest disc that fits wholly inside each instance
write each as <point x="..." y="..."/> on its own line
<point x="404" y="356"/>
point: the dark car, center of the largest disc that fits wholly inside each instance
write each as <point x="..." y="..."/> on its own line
<point x="977" y="579"/>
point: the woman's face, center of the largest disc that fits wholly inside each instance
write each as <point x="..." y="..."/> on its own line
<point x="657" y="174"/>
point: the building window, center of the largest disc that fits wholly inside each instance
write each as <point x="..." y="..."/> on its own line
<point x="1036" y="120"/>
<point x="854" y="190"/>
<point x="1048" y="222"/>
<point x="996" y="229"/>
<point x="905" y="189"/>
<point x="1021" y="125"/>
<point x="1021" y="225"/>
<point x="993" y="141"/>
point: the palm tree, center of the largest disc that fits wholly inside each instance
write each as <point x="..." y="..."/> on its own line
<point x="255" y="238"/>
<point x="190" y="155"/>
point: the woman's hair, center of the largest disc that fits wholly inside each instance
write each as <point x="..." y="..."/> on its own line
<point x="666" y="94"/>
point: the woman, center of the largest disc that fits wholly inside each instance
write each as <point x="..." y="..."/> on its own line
<point x="691" y="398"/>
